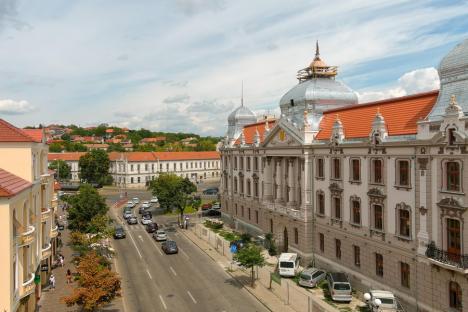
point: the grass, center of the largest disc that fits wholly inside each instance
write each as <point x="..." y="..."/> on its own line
<point x="327" y="298"/>
<point x="175" y="212"/>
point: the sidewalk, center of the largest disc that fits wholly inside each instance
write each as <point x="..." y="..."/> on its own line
<point x="262" y="294"/>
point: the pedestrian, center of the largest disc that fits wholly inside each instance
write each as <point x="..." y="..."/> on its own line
<point x="69" y="277"/>
<point x="61" y="260"/>
<point x="52" y="281"/>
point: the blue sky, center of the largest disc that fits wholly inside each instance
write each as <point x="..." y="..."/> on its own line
<point x="177" y="65"/>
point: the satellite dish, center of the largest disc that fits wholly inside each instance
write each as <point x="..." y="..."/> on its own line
<point x="367" y="296"/>
<point x="377" y="302"/>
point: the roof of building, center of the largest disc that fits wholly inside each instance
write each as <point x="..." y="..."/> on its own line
<point x="401" y="116"/>
<point x="10" y="184"/>
<point x="71" y="156"/>
<point x="156" y="139"/>
<point x="155" y="156"/>
<point x="35" y="134"/>
<point x="109" y="130"/>
<point x="249" y="131"/>
<point x="97" y="145"/>
<point x="10" y="133"/>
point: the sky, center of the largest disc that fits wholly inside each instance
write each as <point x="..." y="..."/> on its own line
<point x="178" y="65"/>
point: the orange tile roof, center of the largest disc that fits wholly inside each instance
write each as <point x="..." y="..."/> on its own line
<point x="401" y="116"/>
<point x="249" y="131"/>
<point x="155" y="156"/>
<point x="109" y="130"/>
<point x="65" y="156"/>
<point x="9" y="133"/>
<point x="10" y="184"/>
<point x="151" y="140"/>
<point x="36" y="134"/>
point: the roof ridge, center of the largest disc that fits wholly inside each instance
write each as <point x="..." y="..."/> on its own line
<point x="16" y="130"/>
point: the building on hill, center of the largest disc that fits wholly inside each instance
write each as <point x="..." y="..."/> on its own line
<point x="97" y="146"/>
<point x="375" y="190"/>
<point x="27" y="211"/>
<point x="153" y="140"/>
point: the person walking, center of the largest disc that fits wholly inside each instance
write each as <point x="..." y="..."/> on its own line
<point x="61" y="260"/>
<point x="52" y="281"/>
<point x="69" y="277"/>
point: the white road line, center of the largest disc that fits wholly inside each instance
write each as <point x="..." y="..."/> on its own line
<point x="155" y="245"/>
<point x="184" y="253"/>
<point x="133" y="241"/>
<point x="149" y="274"/>
<point x="163" y="303"/>
<point x="173" y="271"/>
<point x="191" y="297"/>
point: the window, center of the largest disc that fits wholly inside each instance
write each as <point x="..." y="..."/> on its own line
<point x="191" y="165"/>
<point x="146" y="167"/>
<point x="138" y="179"/>
<point x="131" y="167"/>
<point x="235" y="163"/>
<point x="131" y="180"/>
<point x="378" y="264"/>
<point x="451" y="136"/>
<point x="356" y="211"/>
<point x="256" y="216"/>
<point x="235" y="184"/>
<point x="174" y="166"/>
<point x="320" y="171"/>
<point x="453" y="176"/>
<point x="248" y="213"/>
<point x="167" y="167"/>
<point x="357" y="256"/>
<point x="403" y="171"/>
<point x="338" y="248"/>
<point x="271" y="225"/>
<point x="378" y="217"/>
<point x="321" y="203"/>
<point x="241" y="163"/>
<point x="405" y="274"/>
<point x="242" y="211"/>
<point x="241" y="185"/>
<point x="196" y="165"/>
<point x="186" y="165"/>
<point x="376" y="171"/>
<point x="337" y="207"/>
<point x="256" y="188"/>
<point x="235" y="205"/>
<point x="404" y="222"/>
<point x="138" y="168"/>
<point x="455" y="296"/>
<point x="355" y="170"/>
<point x="255" y="163"/>
<point x="336" y="168"/>
<point x="180" y="167"/>
<point x="322" y="242"/>
<point x="248" y="163"/>
<point x="160" y="167"/>
<point x="296" y="236"/>
<point x="248" y="187"/>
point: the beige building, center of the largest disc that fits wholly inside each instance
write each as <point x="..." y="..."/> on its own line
<point x="375" y="190"/>
<point x="28" y="231"/>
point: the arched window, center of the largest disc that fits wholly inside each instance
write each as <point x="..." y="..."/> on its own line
<point x="235" y="184"/>
<point x="455" y="296"/>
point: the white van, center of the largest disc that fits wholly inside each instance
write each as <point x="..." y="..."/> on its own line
<point x="288" y="264"/>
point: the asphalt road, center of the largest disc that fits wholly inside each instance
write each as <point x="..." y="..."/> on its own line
<point x="187" y="281"/>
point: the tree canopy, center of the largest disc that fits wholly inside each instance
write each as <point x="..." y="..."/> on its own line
<point x="85" y="206"/>
<point x="94" y="167"/>
<point x="62" y="168"/>
<point x="249" y="257"/>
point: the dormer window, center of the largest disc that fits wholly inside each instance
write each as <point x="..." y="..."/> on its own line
<point x="292" y="103"/>
<point x="376" y="138"/>
<point x="451" y="136"/>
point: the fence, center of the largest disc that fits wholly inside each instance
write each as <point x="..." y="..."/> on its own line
<point x="286" y="289"/>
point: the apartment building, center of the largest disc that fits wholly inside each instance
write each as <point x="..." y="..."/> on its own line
<point x="375" y="190"/>
<point x="27" y="212"/>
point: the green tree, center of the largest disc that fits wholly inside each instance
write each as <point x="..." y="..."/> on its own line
<point x="62" y="168"/>
<point x="250" y="257"/>
<point x="115" y="147"/>
<point x="55" y="147"/>
<point x="84" y="207"/>
<point x="94" y="167"/>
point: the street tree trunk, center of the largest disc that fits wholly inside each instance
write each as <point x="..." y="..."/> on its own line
<point x="253" y="277"/>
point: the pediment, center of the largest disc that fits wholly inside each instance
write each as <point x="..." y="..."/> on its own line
<point x="283" y="135"/>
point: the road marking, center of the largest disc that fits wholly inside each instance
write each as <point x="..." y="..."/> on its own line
<point x="163" y="303"/>
<point x="193" y="299"/>
<point x="149" y="274"/>
<point x="133" y="241"/>
<point x="173" y="271"/>
<point x="184" y="253"/>
<point x="141" y="238"/>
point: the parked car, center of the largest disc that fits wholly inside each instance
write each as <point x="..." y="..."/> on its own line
<point x="170" y="247"/>
<point x="141" y="210"/>
<point x="160" y="235"/>
<point x="311" y="277"/>
<point x="339" y="287"/>
<point x="211" y="191"/>
<point x="127" y="214"/>
<point x="154" y="200"/>
<point x="132" y="220"/>
<point x="206" y="206"/>
<point x="146" y="219"/>
<point x="381" y="300"/>
<point x="146" y="205"/>
<point x="131" y="205"/>
<point x="288" y="264"/>
<point x="211" y="213"/>
<point x="216" y="205"/>
<point x="147" y="213"/>
<point x="119" y="232"/>
<point x="151" y="227"/>
<point x="135" y="200"/>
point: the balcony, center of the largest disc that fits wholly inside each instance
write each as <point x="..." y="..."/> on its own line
<point x="46" y="251"/>
<point x="54" y="232"/>
<point x="26" y="237"/>
<point x="27" y="287"/>
<point x="447" y="260"/>
<point x="45" y="214"/>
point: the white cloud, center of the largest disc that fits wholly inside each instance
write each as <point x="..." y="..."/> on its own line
<point x="12" y="107"/>
<point x="416" y="81"/>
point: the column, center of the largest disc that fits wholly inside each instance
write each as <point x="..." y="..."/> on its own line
<point x="422" y="235"/>
<point x="278" y="179"/>
<point x="267" y="180"/>
<point x="290" y="191"/>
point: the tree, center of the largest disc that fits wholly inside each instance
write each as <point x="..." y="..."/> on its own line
<point x="85" y="206"/>
<point x="97" y="284"/>
<point x="94" y="167"/>
<point x="62" y="168"/>
<point x="55" y="147"/>
<point x="249" y="257"/>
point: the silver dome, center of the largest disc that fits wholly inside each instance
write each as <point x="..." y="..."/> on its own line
<point x="239" y="118"/>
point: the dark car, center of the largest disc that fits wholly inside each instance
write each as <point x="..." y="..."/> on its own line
<point x="151" y="227"/>
<point x="147" y="213"/>
<point x="211" y="213"/>
<point x="119" y="232"/>
<point x="206" y="206"/>
<point x="132" y="220"/>
<point x="211" y="191"/>
<point x="170" y="247"/>
<point x="141" y="210"/>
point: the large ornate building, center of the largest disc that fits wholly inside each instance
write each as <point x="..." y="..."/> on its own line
<point x="376" y="190"/>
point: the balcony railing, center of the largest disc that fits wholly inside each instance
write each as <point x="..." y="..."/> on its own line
<point x="26" y="237"/>
<point x="46" y="251"/>
<point x="54" y="232"/>
<point x="447" y="258"/>
<point x="27" y="287"/>
<point x="45" y="214"/>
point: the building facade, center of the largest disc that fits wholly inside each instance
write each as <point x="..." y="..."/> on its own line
<point x="27" y="209"/>
<point x="375" y="190"/>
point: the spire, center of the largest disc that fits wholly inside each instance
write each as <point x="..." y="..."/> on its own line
<point x="317" y="50"/>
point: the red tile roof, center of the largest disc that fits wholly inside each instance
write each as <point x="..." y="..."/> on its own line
<point x="9" y="133"/>
<point x="10" y="184"/>
<point x="249" y="131"/>
<point x="154" y="156"/>
<point x="65" y="156"/>
<point x="153" y="140"/>
<point x="36" y="134"/>
<point x="401" y="116"/>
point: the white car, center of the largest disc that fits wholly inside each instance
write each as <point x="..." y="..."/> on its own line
<point x="154" y="199"/>
<point x="135" y="200"/>
<point x="381" y="300"/>
<point x="146" y="205"/>
<point x="160" y="235"/>
<point x="146" y="219"/>
<point x="216" y="206"/>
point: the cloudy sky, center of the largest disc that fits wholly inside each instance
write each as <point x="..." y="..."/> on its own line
<point x="177" y="65"/>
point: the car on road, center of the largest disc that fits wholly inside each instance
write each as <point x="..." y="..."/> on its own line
<point x="132" y="220"/>
<point x="216" y="205"/>
<point x="154" y="200"/>
<point x="141" y="210"/>
<point x="381" y="300"/>
<point x="119" y="232"/>
<point x="146" y="205"/>
<point x="170" y="247"/>
<point x="211" y="213"/>
<point x="311" y="277"/>
<point x="130" y="206"/>
<point x="135" y="200"/>
<point x="206" y="206"/>
<point x="127" y="214"/>
<point x="160" y="235"/>
<point x="147" y="213"/>
<point x="211" y="191"/>
<point x="146" y="219"/>
<point x="151" y="227"/>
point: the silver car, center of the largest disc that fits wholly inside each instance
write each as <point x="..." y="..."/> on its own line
<point x="160" y="235"/>
<point x="311" y="277"/>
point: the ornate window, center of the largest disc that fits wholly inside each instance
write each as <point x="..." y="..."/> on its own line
<point x="256" y="216"/>
<point x="242" y="211"/>
<point x="378" y="217"/>
<point x="255" y="187"/>
<point x="322" y="242"/>
<point x="357" y="255"/>
<point x="338" y="248"/>
<point x="451" y="136"/>
<point x="296" y="236"/>
<point x="336" y="205"/>
<point x="336" y="168"/>
<point x="235" y="162"/>
<point x="355" y="170"/>
<point x="455" y="296"/>
<point x="453" y="176"/>
<point x="377" y="171"/>
<point x="247" y="159"/>
<point x="403" y="173"/>
<point x="405" y="274"/>
<point x="404" y="220"/>
<point x="355" y="210"/>
<point x="248" y="187"/>
<point x="235" y="184"/>
<point x="241" y="184"/>
<point x="320" y="168"/>
<point x="320" y="202"/>
<point x="248" y="213"/>
<point x="378" y="264"/>
<point x="241" y="163"/>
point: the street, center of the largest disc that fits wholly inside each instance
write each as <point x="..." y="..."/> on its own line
<point x="187" y="281"/>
